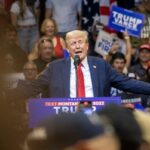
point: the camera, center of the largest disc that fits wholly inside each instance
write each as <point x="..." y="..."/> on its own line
<point x="85" y="107"/>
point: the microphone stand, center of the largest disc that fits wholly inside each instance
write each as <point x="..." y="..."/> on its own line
<point x="76" y="80"/>
<point x="76" y="63"/>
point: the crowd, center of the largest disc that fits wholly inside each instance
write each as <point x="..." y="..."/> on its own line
<point x="32" y="37"/>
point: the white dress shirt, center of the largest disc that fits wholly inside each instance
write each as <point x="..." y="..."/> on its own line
<point x="87" y="79"/>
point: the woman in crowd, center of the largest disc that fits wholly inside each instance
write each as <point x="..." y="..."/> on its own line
<point x="24" y="18"/>
<point x="42" y="53"/>
<point x="49" y="28"/>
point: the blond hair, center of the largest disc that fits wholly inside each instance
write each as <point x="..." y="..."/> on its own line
<point x="77" y="33"/>
<point x="36" y="50"/>
<point x="43" y="26"/>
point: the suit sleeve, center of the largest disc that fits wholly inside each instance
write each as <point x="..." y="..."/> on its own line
<point x="127" y="84"/>
<point x="32" y="89"/>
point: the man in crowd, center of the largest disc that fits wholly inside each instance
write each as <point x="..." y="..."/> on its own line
<point x="66" y="13"/>
<point x="144" y="56"/>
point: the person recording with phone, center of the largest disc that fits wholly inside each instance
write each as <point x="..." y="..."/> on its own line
<point x="95" y="76"/>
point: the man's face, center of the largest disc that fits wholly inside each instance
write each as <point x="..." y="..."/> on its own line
<point x="11" y="36"/>
<point x="119" y="65"/>
<point x="46" y="51"/>
<point x="144" y="55"/>
<point x="30" y="72"/>
<point x="78" y="46"/>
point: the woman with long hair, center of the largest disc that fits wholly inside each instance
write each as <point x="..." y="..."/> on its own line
<point x="24" y="17"/>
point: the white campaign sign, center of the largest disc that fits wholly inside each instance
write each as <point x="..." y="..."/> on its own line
<point x="105" y="41"/>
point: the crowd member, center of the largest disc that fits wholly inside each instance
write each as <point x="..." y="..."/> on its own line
<point x="24" y="18"/>
<point x="12" y="47"/>
<point x="125" y="125"/>
<point x="77" y="132"/>
<point x="119" y="46"/>
<point x="30" y="73"/>
<point x="118" y="62"/>
<point x="98" y="75"/>
<point x="143" y="120"/>
<point x="144" y="56"/>
<point x="11" y="35"/>
<point x="49" y="29"/>
<point x="143" y="7"/>
<point x="67" y="14"/>
<point x="42" y="54"/>
<point x="9" y="63"/>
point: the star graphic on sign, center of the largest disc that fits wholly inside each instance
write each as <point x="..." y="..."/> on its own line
<point x="95" y="1"/>
<point x="96" y="17"/>
<point x="85" y="20"/>
<point x="85" y="2"/>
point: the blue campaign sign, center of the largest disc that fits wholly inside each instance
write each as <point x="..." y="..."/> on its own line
<point x="39" y="109"/>
<point x="126" y="20"/>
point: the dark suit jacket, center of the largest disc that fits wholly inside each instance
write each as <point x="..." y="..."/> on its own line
<point x="57" y="77"/>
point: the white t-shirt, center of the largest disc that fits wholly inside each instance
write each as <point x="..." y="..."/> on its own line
<point x="28" y="19"/>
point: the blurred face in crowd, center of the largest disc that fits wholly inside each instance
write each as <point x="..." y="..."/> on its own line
<point x="147" y="5"/>
<point x="77" y="43"/>
<point x="119" y="65"/>
<point x="49" y="27"/>
<point x="11" y="36"/>
<point x="30" y="71"/>
<point x="144" y="55"/>
<point x="9" y="60"/>
<point x="46" y="50"/>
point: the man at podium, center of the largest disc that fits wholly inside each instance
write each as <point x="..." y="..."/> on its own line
<point x="81" y="75"/>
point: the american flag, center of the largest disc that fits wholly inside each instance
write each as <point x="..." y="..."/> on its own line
<point x="90" y="13"/>
<point x="104" y="10"/>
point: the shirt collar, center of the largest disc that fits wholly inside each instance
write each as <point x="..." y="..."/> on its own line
<point x="84" y="62"/>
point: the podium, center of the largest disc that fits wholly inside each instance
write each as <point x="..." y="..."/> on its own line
<point x="41" y="108"/>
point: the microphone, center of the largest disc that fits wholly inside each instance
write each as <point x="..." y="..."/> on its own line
<point x="76" y="60"/>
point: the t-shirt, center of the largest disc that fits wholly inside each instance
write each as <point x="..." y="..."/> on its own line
<point x="65" y="13"/>
<point x="28" y="17"/>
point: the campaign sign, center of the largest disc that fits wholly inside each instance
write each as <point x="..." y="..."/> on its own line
<point x="105" y="41"/>
<point x="39" y="109"/>
<point x="126" y="20"/>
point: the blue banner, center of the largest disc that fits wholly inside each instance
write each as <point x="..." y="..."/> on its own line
<point x="126" y="20"/>
<point x="39" y="109"/>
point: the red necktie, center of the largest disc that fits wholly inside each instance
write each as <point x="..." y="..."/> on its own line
<point x="80" y="82"/>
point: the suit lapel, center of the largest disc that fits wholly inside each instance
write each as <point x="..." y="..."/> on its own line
<point x="93" y="71"/>
<point x="66" y="77"/>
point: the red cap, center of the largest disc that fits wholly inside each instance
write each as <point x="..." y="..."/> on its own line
<point x="145" y="46"/>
